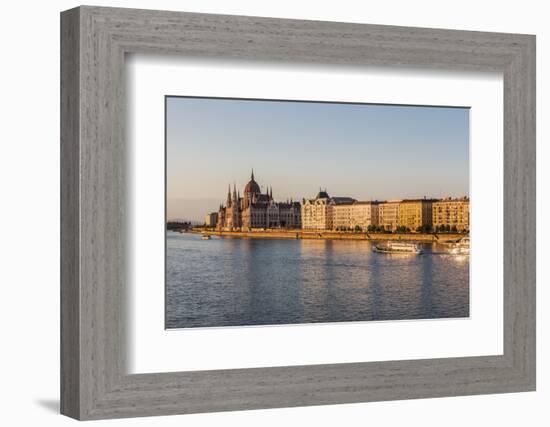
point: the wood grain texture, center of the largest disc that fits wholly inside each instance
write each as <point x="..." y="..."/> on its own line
<point x="70" y="259"/>
<point x="94" y="271"/>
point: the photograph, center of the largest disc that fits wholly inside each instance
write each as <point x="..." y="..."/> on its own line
<point x="296" y="212"/>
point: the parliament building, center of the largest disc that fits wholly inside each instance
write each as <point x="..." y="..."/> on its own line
<point x="256" y="210"/>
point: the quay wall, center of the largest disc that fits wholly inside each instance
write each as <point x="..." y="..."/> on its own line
<point x="332" y="235"/>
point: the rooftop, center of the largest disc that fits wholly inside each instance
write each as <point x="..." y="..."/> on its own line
<point x="342" y="200"/>
<point x="322" y="194"/>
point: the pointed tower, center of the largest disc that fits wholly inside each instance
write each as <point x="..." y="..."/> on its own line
<point x="251" y="190"/>
<point x="228" y="202"/>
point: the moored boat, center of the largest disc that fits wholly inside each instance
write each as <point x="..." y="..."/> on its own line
<point x="205" y="237"/>
<point x="397" y="248"/>
<point x="462" y="247"/>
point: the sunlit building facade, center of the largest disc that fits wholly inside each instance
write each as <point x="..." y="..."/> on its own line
<point x="451" y="213"/>
<point x="415" y="214"/>
<point x="354" y="216"/>
<point x="316" y="213"/>
<point x="388" y="215"/>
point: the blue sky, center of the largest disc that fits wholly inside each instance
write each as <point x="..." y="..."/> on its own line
<point x="358" y="150"/>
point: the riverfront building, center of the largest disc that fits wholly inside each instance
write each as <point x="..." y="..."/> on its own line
<point x="451" y="213"/>
<point x="337" y="213"/>
<point x="388" y="215"/>
<point x="354" y="215"/>
<point x="211" y="219"/>
<point x="315" y="212"/>
<point x="319" y="213"/>
<point x="415" y="214"/>
<point x="256" y="210"/>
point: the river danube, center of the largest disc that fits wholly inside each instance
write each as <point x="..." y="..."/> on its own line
<point x="234" y="281"/>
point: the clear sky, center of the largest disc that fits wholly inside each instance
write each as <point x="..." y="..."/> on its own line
<point x="357" y="150"/>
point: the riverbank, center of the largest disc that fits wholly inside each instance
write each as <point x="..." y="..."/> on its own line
<point x="332" y="235"/>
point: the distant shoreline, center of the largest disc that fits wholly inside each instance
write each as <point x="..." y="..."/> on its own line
<point x="332" y="235"/>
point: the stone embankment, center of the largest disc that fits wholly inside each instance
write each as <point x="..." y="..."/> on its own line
<point x="332" y="235"/>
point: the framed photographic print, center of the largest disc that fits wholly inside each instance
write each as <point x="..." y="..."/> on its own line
<point x="262" y="213"/>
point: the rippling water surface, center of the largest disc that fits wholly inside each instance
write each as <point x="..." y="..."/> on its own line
<point x="227" y="281"/>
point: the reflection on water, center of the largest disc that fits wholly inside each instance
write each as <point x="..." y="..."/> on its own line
<point x="224" y="281"/>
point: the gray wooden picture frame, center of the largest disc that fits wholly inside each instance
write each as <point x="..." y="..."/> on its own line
<point x="94" y="381"/>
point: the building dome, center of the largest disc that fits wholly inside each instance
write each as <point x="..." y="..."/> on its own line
<point x="252" y="187"/>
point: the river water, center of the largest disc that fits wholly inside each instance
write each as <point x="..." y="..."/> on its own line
<point x="234" y="281"/>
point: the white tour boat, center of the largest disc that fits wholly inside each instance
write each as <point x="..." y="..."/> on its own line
<point x="397" y="248"/>
<point x="205" y="237"/>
